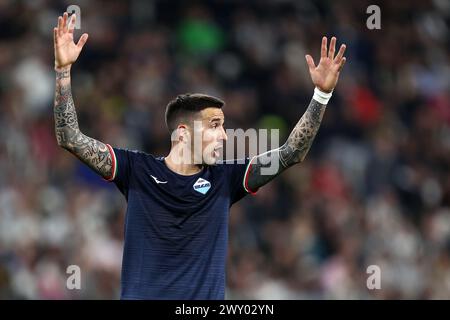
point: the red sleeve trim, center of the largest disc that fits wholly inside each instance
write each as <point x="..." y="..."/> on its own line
<point x="114" y="164"/>
<point x="249" y="166"/>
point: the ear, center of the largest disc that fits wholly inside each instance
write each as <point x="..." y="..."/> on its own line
<point x="182" y="133"/>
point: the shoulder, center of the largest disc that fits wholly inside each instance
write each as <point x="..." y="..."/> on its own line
<point x="133" y="157"/>
<point x="233" y="163"/>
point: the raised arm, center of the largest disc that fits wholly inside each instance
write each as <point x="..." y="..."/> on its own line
<point x="324" y="77"/>
<point x="92" y="152"/>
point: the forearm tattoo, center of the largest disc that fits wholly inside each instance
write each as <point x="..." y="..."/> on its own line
<point x="62" y="74"/>
<point x="292" y="152"/>
<point x="92" y="152"/>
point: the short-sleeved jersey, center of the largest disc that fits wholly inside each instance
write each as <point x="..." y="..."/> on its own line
<point x="176" y="226"/>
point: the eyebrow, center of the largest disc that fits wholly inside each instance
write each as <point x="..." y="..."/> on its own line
<point x="216" y="119"/>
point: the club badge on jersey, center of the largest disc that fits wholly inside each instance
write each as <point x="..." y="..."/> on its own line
<point x="202" y="185"/>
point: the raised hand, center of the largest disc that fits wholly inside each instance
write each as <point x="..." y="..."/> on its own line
<point x="66" y="51"/>
<point x="326" y="74"/>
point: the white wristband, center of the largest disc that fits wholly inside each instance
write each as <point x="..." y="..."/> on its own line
<point x="321" y="97"/>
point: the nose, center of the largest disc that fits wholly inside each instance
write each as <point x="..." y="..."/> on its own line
<point x="224" y="135"/>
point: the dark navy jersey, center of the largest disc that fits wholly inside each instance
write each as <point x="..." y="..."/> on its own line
<point x="176" y="227"/>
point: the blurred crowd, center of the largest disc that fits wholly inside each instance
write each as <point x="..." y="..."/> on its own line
<point x="374" y="189"/>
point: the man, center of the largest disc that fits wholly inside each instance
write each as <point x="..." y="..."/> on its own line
<point x="177" y="216"/>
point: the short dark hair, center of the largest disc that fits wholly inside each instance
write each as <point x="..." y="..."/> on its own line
<point x="187" y="105"/>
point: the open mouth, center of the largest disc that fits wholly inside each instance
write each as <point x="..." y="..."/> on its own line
<point x="216" y="151"/>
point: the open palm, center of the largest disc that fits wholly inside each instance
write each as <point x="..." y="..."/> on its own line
<point x="325" y="75"/>
<point x="66" y="51"/>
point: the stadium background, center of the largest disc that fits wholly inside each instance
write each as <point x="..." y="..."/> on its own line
<point x="375" y="188"/>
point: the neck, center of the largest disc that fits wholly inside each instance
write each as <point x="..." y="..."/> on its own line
<point x="178" y="164"/>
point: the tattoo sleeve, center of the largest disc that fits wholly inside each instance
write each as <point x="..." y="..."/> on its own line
<point x="92" y="152"/>
<point x="293" y="151"/>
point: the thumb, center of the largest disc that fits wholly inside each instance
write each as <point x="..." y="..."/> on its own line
<point x="82" y="41"/>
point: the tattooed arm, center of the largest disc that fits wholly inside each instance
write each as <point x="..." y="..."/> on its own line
<point x="92" y="152"/>
<point x="265" y="167"/>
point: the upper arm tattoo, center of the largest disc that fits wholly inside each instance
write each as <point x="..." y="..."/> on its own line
<point x="92" y="152"/>
<point x="292" y="152"/>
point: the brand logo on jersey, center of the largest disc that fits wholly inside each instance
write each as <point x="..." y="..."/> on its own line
<point x="202" y="186"/>
<point x="156" y="180"/>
